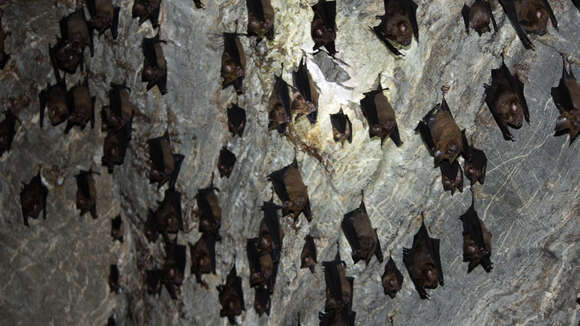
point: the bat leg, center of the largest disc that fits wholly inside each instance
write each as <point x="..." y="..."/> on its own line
<point x="115" y="24"/>
<point x="465" y="13"/>
<point x="163" y="84"/>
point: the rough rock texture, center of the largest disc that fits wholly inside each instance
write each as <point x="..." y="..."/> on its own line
<point x="55" y="272"/>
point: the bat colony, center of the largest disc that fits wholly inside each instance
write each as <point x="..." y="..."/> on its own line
<point x="444" y="139"/>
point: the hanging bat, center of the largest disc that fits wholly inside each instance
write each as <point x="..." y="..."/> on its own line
<point x="154" y="65"/>
<point x="392" y="279"/>
<point x="339" y="288"/>
<point x="398" y="25"/>
<point x="231" y="296"/>
<point x="476" y="241"/>
<point x="147" y="10"/>
<point x="117" y="228"/>
<point x="291" y="190"/>
<point x="475" y="162"/>
<point x="380" y="115"/>
<point x="308" y="255"/>
<point x="233" y="63"/>
<point x="86" y="193"/>
<point x="114" y="279"/>
<point x="198" y="4"/>
<point x="174" y="268"/>
<point x="271" y="235"/>
<point x="55" y="98"/>
<point x="305" y="98"/>
<point x="567" y="99"/>
<point x="168" y="216"/>
<point x="4" y="57"/>
<point x="104" y="16"/>
<point x="451" y="176"/>
<point x="478" y="16"/>
<point x="529" y="16"/>
<point x="323" y="26"/>
<point x="261" y="265"/>
<point x="203" y="257"/>
<point x="120" y="109"/>
<point x="66" y="57"/>
<point x="260" y="19"/>
<point x="153" y="280"/>
<point x="74" y="28"/>
<point x="236" y="120"/>
<point x="165" y="165"/>
<point x="7" y="131"/>
<point x="226" y="162"/>
<point x="115" y="146"/>
<point x="341" y="127"/>
<point x="506" y="101"/>
<point x="209" y="210"/>
<point x="423" y="261"/>
<point x="262" y="301"/>
<point x="441" y="134"/>
<point x="82" y="107"/>
<point x="33" y="199"/>
<point x="279" y="106"/>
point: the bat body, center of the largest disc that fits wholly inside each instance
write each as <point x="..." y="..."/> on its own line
<point x="323" y="26"/>
<point x="341" y="127"/>
<point x="475" y="163"/>
<point x="203" y="257"/>
<point x="279" y="106"/>
<point x="398" y="25"/>
<point x="147" y="10"/>
<point x="305" y="98"/>
<point x="66" y="57"/>
<point x="174" y="268"/>
<point x="339" y="294"/>
<point x="231" y="296"/>
<point x="7" y="131"/>
<point x="74" y="28"/>
<point x="260" y="19"/>
<point x="117" y="228"/>
<point x="392" y="279"/>
<point x="4" y="57"/>
<point x="380" y="116"/>
<point x="308" y="255"/>
<point x="261" y="266"/>
<point x="154" y="66"/>
<point x="165" y="165"/>
<point x="33" y="199"/>
<point x="104" y="16"/>
<point x="262" y="303"/>
<point x="361" y="236"/>
<point x="86" y="193"/>
<point x="168" y="216"/>
<point x="209" y="210"/>
<point x="120" y="109"/>
<point x="476" y="241"/>
<point x="226" y="162"/>
<point x="153" y="280"/>
<point x="451" y="176"/>
<point x="236" y="120"/>
<point x="567" y="99"/>
<point x="271" y="234"/>
<point x="291" y="190"/>
<point x="115" y="146"/>
<point x="233" y="63"/>
<point x="478" y="17"/>
<point x="114" y="279"/>
<point x="55" y="99"/>
<point x="529" y="16"/>
<point x="506" y="101"/>
<point x="82" y="107"/>
<point x="423" y="262"/>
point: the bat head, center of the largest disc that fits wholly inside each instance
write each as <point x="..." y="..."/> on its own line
<point x="475" y="255"/>
<point x="509" y="108"/>
<point x="451" y="177"/>
<point x="448" y="150"/>
<point x="277" y="116"/>
<point x="262" y="301"/>
<point x="230" y="70"/>
<point x="259" y="27"/>
<point x="226" y="162"/>
<point x="479" y="17"/>
<point x="152" y="73"/>
<point x="569" y="120"/>
<point x="391" y="284"/>
<point x="66" y="56"/>
<point x="307" y="261"/>
<point x="58" y="110"/>
<point x="142" y="8"/>
<point x="102" y="20"/>
<point x="533" y="17"/>
<point x="301" y="105"/>
<point x="398" y="27"/>
<point x="321" y="33"/>
<point x="236" y="119"/>
<point x="168" y="218"/>
<point x="476" y="165"/>
<point x="231" y="303"/>
<point x="153" y="278"/>
<point x="430" y="276"/>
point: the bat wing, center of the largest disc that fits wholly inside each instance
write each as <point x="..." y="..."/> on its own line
<point x="349" y="231"/>
<point x="281" y="89"/>
<point x="488" y="5"/>
<point x="409" y="264"/>
<point x="423" y="130"/>
<point x="465" y="14"/>
<point x="395" y="137"/>
<point x="520" y="90"/>
<point x="576" y="3"/>
<point x="178" y="159"/>
<point x="300" y="80"/>
<point x="231" y="48"/>
<point x="437" y="258"/>
<point x="369" y="109"/>
<point x="509" y="8"/>
<point x="252" y="251"/>
<point x="378" y="250"/>
<point x="490" y="95"/>
<point x="327" y="11"/>
<point x="331" y="277"/>
<point x="472" y="226"/>
<point x="255" y="7"/>
<point x="411" y="8"/>
<point x="560" y="94"/>
<point x="378" y="31"/>
<point x="92" y="7"/>
<point x="277" y="178"/>
<point x="42" y="98"/>
<point x="551" y="14"/>
<point x="115" y="23"/>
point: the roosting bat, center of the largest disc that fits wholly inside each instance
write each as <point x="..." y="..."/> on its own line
<point x="451" y="176"/>
<point x="476" y="241"/>
<point x="398" y="25"/>
<point x="115" y="146"/>
<point x="478" y="16"/>
<point x="33" y="199"/>
<point x="226" y="162"/>
<point x="475" y="163"/>
<point x="66" y="57"/>
<point x="154" y="66"/>
<point x="441" y="134"/>
<point x="55" y="98"/>
<point x="262" y="301"/>
<point x="380" y="115"/>
<point x="341" y="127"/>
<point x="506" y="101"/>
<point x="120" y="109"/>
<point x="104" y="16"/>
<point x="165" y="165"/>
<point x="279" y="106"/>
<point x="174" y="268"/>
<point x="529" y="16"/>
<point x="308" y="255"/>
<point x="392" y="279"/>
<point x="168" y="216"/>
<point x="423" y="261"/>
<point x="271" y="235"/>
<point x="117" y="228"/>
<point x="323" y="26"/>
<point x="231" y="296"/>
<point x="260" y="19"/>
<point x="114" y="279"/>
<point x="361" y="236"/>
<point x="233" y="63"/>
<point x="86" y="193"/>
<point x="203" y="257"/>
<point x="4" y="57"/>
<point x="198" y="4"/>
<point x="305" y="98"/>
<point x="236" y="120"/>
<point x="82" y="107"/>
<point x="261" y="266"/>
<point x="339" y="292"/>
<point x="7" y="131"/>
<point x="153" y="280"/>
<point x="567" y="99"/>
<point x="210" y="212"/>
<point x="291" y="190"/>
<point x="74" y="28"/>
<point x="147" y="10"/>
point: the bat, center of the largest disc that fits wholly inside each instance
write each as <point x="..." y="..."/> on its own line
<point x="423" y="262"/>
<point x="380" y="115"/>
<point x="203" y="257"/>
<point x="174" y="268"/>
<point x="339" y="287"/>
<point x="33" y="198"/>
<point x="4" y="57"/>
<point x="475" y="162"/>
<point x="262" y="301"/>
<point x="114" y="279"/>
<point x="86" y="193"/>
<point x="323" y="26"/>
<point x="198" y="4"/>
<point x="74" y="28"/>
<point x="66" y="57"/>
<point x="231" y="296"/>
<point x="398" y="25"/>
<point x="478" y="17"/>
<point x="341" y="127"/>
<point x="153" y="280"/>
<point x="120" y="109"/>
<point x="168" y="216"/>
<point x="476" y="241"/>
<point x="55" y="98"/>
<point x="233" y="63"/>
<point x="567" y="99"/>
<point x="305" y="98"/>
<point x="451" y="176"/>
<point x="147" y="10"/>
<point x="115" y="146"/>
<point x="7" y="131"/>
<point x="529" y="16"/>
<point x="271" y="235"/>
<point x="506" y="101"/>
<point x="117" y="228"/>
<point x="392" y="279"/>
<point x="361" y="236"/>
<point x="308" y="255"/>
<point x="260" y="19"/>
<point x="279" y="106"/>
<point x="291" y="190"/>
<point x="104" y="16"/>
<point x="111" y="321"/>
<point x="154" y="64"/>
<point x="441" y="134"/>
<point x="226" y="162"/>
<point x="165" y="165"/>
<point x="210" y="211"/>
<point x="82" y="107"/>
<point x="236" y="120"/>
<point x="261" y="265"/>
